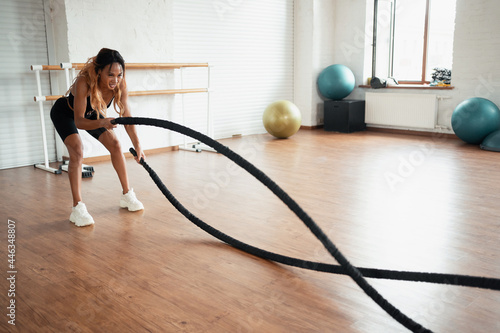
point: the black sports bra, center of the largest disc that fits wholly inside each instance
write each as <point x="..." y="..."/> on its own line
<point x="71" y="101"/>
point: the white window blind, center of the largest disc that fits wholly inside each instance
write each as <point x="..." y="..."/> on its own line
<point x="250" y="45"/>
<point x="22" y="43"/>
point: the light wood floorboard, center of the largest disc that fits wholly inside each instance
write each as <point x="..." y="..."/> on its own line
<point x="386" y="200"/>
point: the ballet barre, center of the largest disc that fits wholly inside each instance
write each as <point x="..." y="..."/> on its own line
<point x="134" y="93"/>
<point x="70" y="74"/>
<point x="151" y="65"/>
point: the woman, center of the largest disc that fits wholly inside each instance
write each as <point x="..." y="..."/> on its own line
<point x="100" y="82"/>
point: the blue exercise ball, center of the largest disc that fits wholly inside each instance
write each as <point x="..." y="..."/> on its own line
<point x="474" y="119"/>
<point x="491" y="142"/>
<point x="336" y="82"/>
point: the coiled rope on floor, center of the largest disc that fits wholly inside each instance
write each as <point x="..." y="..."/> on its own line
<point x="346" y="268"/>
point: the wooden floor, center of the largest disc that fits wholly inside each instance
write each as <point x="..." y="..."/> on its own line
<point x="386" y="200"/>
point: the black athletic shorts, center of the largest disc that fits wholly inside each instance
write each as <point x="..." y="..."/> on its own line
<point x="64" y="119"/>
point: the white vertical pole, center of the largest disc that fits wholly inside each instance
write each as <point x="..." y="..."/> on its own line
<point x="197" y="146"/>
<point x="40" y="99"/>
<point x="66" y="66"/>
<point x="66" y="72"/>
<point x="42" y="119"/>
<point x="183" y="111"/>
<point x="210" y="130"/>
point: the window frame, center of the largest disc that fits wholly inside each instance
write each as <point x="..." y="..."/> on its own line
<point x="426" y="36"/>
<point x="424" y="49"/>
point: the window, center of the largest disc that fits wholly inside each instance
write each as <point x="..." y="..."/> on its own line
<point x="412" y="38"/>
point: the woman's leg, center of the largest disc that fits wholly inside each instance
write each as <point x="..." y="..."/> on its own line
<point x="79" y="215"/>
<point x="128" y="199"/>
<point x="62" y="118"/>
<point x="110" y="141"/>
<point x="74" y="145"/>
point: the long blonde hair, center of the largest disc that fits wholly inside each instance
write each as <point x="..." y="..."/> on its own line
<point x="90" y="72"/>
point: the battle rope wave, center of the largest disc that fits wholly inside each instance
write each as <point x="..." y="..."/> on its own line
<point x="345" y="266"/>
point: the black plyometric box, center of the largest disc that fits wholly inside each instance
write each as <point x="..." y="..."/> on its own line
<point x="344" y="116"/>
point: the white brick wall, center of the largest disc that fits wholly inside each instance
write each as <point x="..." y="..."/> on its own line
<point x="476" y="60"/>
<point x="141" y="33"/>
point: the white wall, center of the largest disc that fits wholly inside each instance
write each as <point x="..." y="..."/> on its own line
<point x="476" y="70"/>
<point x="314" y="49"/>
<point x="250" y="47"/>
<point x="325" y="31"/>
<point x="141" y="34"/>
<point x="304" y="78"/>
<point x="328" y="32"/>
<point x="250" y="70"/>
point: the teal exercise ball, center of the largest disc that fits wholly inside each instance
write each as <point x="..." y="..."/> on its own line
<point x="474" y="119"/>
<point x="282" y="119"/>
<point x="491" y="142"/>
<point x="336" y="82"/>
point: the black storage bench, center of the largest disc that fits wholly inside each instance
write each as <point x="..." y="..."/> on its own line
<point x="344" y="116"/>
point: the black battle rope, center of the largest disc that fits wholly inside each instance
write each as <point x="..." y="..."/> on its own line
<point x="346" y="267"/>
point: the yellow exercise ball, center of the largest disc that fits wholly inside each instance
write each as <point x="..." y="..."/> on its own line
<point x="282" y="119"/>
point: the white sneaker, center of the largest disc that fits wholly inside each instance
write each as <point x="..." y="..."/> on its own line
<point x="79" y="215"/>
<point x="130" y="201"/>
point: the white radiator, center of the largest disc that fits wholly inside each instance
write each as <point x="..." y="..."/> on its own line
<point x="417" y="111"/>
